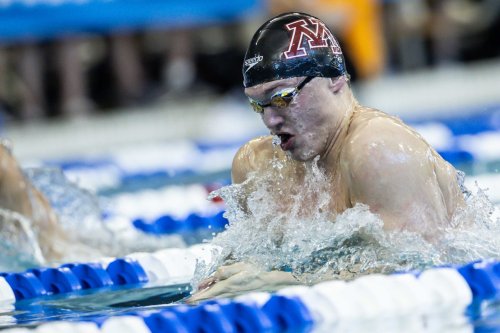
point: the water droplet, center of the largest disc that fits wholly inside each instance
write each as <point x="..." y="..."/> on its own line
<point x="276" y="141"/>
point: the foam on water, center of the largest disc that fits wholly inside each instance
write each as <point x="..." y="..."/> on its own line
<point x="315" y="245"/>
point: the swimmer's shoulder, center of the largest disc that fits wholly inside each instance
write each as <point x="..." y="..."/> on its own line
<point x="367" y="118"/>
<point x="375" y="136"/>
<point x="390" y="134"/>
<point x="370" y="126"/>
<point x="253" y="156"/>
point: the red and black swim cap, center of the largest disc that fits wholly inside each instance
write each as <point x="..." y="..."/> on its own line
<point x="292" y="45"/>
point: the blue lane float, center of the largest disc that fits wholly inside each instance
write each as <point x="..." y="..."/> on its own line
<point x="166" y="224"/>
<point x="207" y="318"/>
<point x="91" y="275"/>
<point x="483" y="278"/>
<point x="134" y="269"/>
<point x="165" y="321"/>
<point x="289" y="310"/>
<point x="288" y="314"/>
<point x="25" y="285"/>
<point x="59" y="280"/>
<point x="247" y="317"/>
<point x="471" y="120"/>
<point x="437" y="291"/>
<point x="73" y="277"/>
<point x="126" y="271"/>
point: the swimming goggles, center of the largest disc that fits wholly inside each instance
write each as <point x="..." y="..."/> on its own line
<point x="280" y="99"/>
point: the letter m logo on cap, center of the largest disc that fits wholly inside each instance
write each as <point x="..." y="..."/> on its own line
<point x="316" y="33"/>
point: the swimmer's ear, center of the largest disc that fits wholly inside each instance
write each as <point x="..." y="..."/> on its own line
<point x="336" y="83"/>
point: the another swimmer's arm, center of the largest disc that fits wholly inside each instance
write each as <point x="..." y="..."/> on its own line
<point x="19" y="195"/>
<point x="13" y="186"/>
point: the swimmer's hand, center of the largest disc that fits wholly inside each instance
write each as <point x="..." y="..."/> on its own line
<point x="239" y="278"/>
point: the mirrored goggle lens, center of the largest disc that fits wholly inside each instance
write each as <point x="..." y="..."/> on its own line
<point x="282" y="98"/>
<point x="280" y="101"/>
<point x="256" y="106"/>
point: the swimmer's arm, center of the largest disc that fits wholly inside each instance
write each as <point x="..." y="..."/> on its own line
<point x="251" y="157"/>
<point x="392" y="170"/>
<point x="239" y="278"/>
<point x="19" y="195"/>
<point x="239" y="168"/>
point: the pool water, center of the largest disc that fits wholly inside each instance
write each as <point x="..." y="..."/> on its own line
<point x="92" y="305"/>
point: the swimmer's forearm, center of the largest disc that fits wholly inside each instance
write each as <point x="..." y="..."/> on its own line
<point x="243" y="282"/>
<point x="279" y="279"/>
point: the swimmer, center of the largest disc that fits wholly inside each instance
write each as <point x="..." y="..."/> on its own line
<point x="295" y="79"/>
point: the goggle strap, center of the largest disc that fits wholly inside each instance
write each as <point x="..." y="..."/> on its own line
<point x="303" y="83"/>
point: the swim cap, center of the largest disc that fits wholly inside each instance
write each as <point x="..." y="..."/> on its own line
<point x="292" y="45"/>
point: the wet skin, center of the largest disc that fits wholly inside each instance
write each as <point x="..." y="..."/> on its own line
<point x="371" y="158"/>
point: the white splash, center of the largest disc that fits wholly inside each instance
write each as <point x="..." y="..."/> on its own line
<point x="18" y="242"/>
<point x="315" y="245"/>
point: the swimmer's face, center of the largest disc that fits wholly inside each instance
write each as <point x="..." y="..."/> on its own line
<point x="306" y="125"/>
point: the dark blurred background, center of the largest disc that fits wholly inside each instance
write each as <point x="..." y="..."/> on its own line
<point x="75" y="58"/>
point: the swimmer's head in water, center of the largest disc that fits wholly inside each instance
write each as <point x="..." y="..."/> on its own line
<point x="292" y="45"/>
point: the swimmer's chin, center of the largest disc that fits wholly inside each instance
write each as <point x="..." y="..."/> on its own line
<point x="300" y="157"/>
<point x="296" y="152"/>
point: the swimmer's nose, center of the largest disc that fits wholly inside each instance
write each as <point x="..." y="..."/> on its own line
<point x="272" y="119"/>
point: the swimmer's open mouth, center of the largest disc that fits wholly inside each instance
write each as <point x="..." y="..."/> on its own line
<point x="286" y="140"/>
